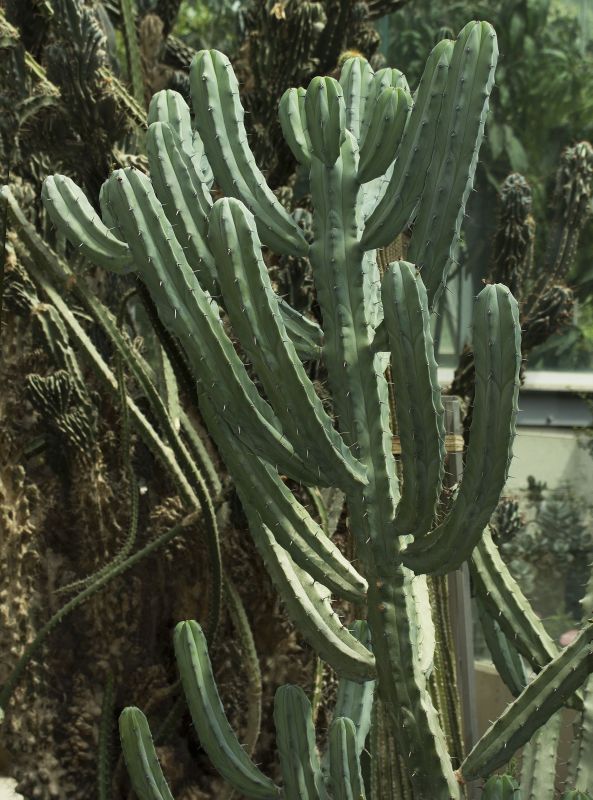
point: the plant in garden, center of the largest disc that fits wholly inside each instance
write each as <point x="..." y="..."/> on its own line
<point x="537" y="271"/>
<point x="376" y="162"/>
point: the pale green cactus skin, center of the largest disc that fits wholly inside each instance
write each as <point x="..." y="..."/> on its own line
<point x="377" y="162"/>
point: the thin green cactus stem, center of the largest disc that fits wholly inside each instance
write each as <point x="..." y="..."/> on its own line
<point x="133" y="50"/>
<point x="34" y="647"/>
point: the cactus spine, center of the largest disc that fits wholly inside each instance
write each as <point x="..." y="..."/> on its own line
<point x="158" y="228"/>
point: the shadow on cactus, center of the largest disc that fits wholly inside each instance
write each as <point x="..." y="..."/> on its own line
<point x="379" y="162"/>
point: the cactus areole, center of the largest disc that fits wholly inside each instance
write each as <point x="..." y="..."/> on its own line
<point x="380" y="161"/>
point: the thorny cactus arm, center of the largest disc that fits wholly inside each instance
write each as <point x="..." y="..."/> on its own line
<point x="345" y="777"/>
<point x="144" y="769"/>
<point x="216" y="735"/>
<point x="302" y="773"/>
<point x="295" y="737"/>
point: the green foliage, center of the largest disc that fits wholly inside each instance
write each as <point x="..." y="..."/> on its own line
<point x="541" y="70"/>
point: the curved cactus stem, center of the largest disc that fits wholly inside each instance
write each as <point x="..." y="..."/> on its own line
<point x="497" y="345"/>
<point x="574" y="794"/>
<point x="306" y="335"/>
<point x="385" y="78"/>
<point x="501" y="595"/>
<point x="33" y="648"/>
<point x="538" y="761"/>
<point x="355" y="700"/>
<point x="74" y="216"/>
<point x="185" y="199"/>
<point x="325" y="113"/>
<point x="345" y="776"/>
<point x="219" y="120"/>
<point x="401" y="194"/>
<point x="243" y="276"/>
<point x="308" y="605"/>
<point x="291" y="113"/>
<point x="506" y="659"/>
<point x="193" y="316"/>
<point x="170" y="107"/>
<point x="386" y="128"/>
<point x="541" y="698"/>
<point x="355" y="79"/>
<point x="144" y="769"/>
<point x="418" y="406"/>
<point x="260" y="487"/>
<point x="295" y="738"/>
<point x="215" y="734"/>
<point x="433" y="245"/>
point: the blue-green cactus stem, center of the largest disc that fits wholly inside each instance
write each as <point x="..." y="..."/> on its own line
<point x="402" y="688"/>
<point x="386" y="128"/>
<point x="295" y="738"/>
<point x="541" y="698"/>
<point x="538" y="761"/>
<point x="308" y="605"/>
<point x="573" y="794"/>
<point x="345" y="776"/>
<point x="385" y="78"/>
<point x="507" y="660"/>
<point x="73" y="215"/>
<point x="506" y="603"/>
<point x="355" y="700"/>
<point x="192" y="315"/>
<point x="295" y="530"/>
<point x="363" y="414"/>
<point x="325" y="113"/>
<point x="342" y="292"/>
<point x="501" y="787"/>
<point x="216" y="735"/>
<point x="254" y="313"/>
<point x="355" y="79"/>
<point x="307" y="602"/>
<point x="306" y="334"/>
<point x="291" y="112"/>
<point x="497" y="348"/>
<point x="169" y="106"/>
<point x="433" y="246"/>
<point x="404" y="189"/>
<point x="144" y="769"/>
<point x="185" y="199"/>
<point x="419" y="410"/>
<point x="219" y="120"/>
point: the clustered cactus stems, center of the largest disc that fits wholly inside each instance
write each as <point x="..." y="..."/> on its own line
<point x="377" y="162"/>
<point x="337" y="774"/>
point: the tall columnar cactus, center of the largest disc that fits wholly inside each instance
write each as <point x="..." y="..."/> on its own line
<point x="378" y="161"/>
